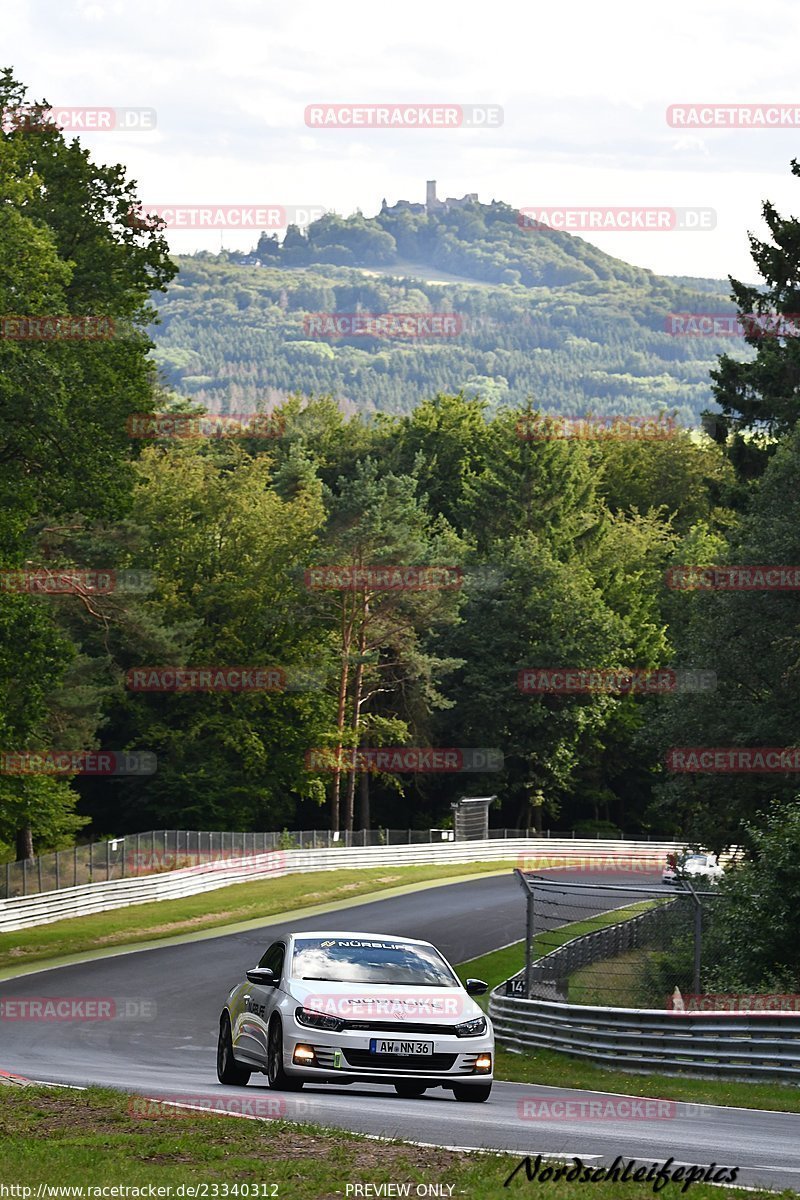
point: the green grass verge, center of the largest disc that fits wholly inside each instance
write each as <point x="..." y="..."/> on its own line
<point x="550" y="1068"/>
<point x="93" y="1138"/>
<point x="499" y="965"/>
<point x="613" y="981"/>
<point x="230" y="905"/>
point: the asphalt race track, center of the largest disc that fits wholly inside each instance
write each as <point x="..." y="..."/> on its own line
<point x="167" y="1049"/>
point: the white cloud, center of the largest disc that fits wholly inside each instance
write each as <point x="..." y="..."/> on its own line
<point x="585" y="89"/>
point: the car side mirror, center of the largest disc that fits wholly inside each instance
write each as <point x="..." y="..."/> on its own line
<point x="476" y="987"/>
<point x="262" y="975"/>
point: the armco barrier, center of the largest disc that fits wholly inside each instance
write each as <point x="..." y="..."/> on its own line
<point x="26" y="911"/>
<point x="145" y="853"/>
<point x="745" y="1045"/>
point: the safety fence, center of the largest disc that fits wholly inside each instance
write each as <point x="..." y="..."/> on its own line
<point x="754" y="1045"/>
<point x="550" y="974"/>
<point x="230" y="867"/>
<point x="167" y="849"/>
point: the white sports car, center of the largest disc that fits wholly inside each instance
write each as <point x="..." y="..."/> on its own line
<point x="347" y="1007"/>
<point x="695" y="865"/>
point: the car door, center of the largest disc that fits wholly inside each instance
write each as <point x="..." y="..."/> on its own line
<point x="259" y="1000"/>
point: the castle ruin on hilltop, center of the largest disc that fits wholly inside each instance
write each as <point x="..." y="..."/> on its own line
<point x="432" y="204"/>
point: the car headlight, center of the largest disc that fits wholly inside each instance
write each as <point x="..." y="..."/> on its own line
<point x="471" y="1028"/>
<point x="305" y="1016"/>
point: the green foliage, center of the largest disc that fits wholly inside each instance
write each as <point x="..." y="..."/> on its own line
<point x="761" y="395"/>
<point x="66" y="249"/>
<point x="604" y="829"/>
<point x="752" y="943"/>
<point x="750" y="639"/>
<point x="580" y="331"/>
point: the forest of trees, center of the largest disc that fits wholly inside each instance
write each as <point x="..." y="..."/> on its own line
<point x="561" y="547"/>
<point x="590" y="333"/>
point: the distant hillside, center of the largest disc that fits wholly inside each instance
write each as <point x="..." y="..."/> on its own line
<point x="538" y="313"/>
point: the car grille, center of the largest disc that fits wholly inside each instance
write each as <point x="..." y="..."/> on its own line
<point x="399" y="1062"/>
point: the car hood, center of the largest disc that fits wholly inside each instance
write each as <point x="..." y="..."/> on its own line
<point x="384" y="1002"/>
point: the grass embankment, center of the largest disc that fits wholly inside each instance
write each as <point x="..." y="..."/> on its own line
<point x="549" y="1068"/>
<point x="230" y="905"/>
<point x="68" y="1138"/>
<point x="501" y="964"/>
<point x="613" y="981"/>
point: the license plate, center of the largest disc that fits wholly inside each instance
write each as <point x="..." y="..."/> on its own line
<point x="393" y="1046"/>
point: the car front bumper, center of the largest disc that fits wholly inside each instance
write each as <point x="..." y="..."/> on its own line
<point x="346" y="1055"/>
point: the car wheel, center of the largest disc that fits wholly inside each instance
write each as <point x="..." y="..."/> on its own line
<point x="408" y="1089"/>
<point x="276" y="1075"/>
<point x="472" y="1093"/>
<point x="228" y="1070"/>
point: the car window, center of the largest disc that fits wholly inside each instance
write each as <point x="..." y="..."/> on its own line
<point x="356" y="960"/>
<point x="274" y="959"/>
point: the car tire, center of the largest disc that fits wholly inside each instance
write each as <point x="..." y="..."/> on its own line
<point x="474" y="1093"/>
<point x="278" y="1079"/>
<point x="228" y="1070"/>
<point x="410" y="1090"/>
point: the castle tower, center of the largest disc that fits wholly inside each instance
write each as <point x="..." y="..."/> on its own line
<point x="430" y="195"/>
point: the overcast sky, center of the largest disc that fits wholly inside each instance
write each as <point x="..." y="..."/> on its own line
<point x="584" y="88"/>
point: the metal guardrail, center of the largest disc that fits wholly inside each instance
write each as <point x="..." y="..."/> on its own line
<point x="41" y="909"/>
<point x="549" y="975"/>
<point x="167" y="849"/>
<point x="744" y="1045"/>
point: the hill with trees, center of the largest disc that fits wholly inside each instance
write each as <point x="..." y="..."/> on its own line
<point x="538" y="313"/>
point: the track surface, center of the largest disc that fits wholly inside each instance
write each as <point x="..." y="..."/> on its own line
<point x="172" y="1052"/>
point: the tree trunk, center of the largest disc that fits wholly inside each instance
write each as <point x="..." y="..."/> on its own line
<point x="347" y="637"/>
<point x="363" y="800"/>
<point x="24" y="841"/>
<point x="358" y="684"/>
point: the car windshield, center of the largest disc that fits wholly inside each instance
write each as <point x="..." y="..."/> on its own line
<point x="699" y="860"/>
<point x="374" y="960"/>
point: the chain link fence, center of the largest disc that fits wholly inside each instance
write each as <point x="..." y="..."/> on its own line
<point x="628" y="945"/>
<point x="170" y="849"/>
